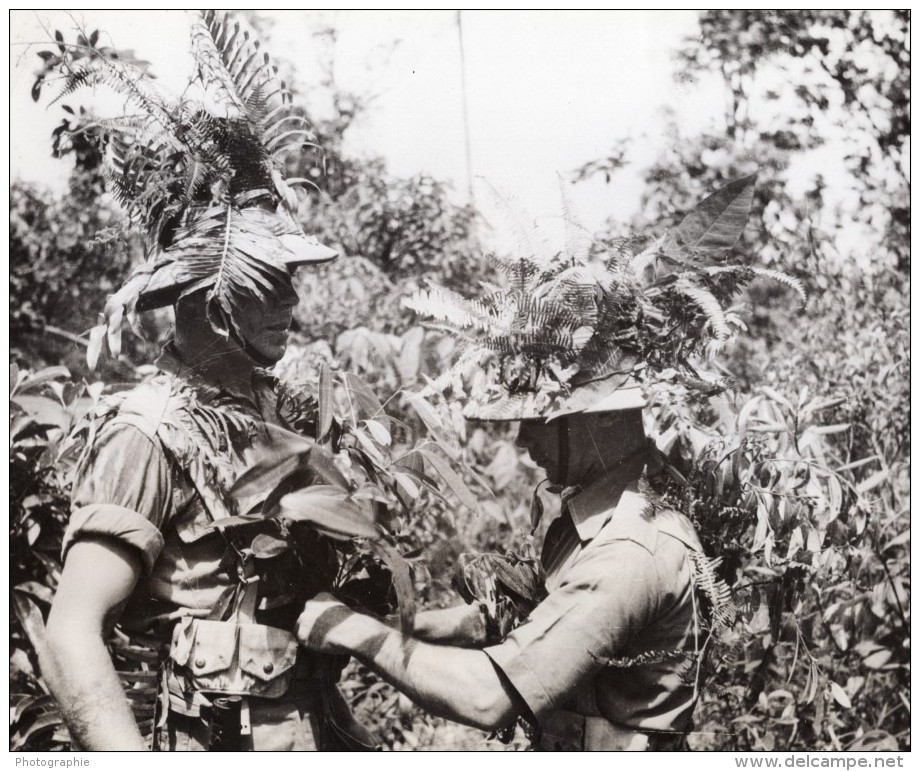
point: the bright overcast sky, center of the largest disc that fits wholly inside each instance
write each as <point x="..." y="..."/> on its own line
<point x="547" y="91"/>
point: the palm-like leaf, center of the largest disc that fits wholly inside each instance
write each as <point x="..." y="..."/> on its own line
<point x="237" y="253"/>
<point x="232" y="64"/>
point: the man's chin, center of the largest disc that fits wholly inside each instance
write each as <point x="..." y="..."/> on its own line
<point x="552" y="476"/>
<point x="266" y="353"/>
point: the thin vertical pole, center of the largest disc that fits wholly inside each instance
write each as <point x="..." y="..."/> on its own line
<point x="466" y="119"/>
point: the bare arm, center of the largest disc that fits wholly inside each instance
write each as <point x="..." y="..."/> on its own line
<point x="462" y="625"/>
<point x="459" y="684"/>
<point x="97" y="579"/>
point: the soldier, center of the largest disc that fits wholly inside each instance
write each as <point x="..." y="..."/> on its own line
<point x="619" y="581"/>
<point x="610" y="659"/>
<point x="146" y="544"/>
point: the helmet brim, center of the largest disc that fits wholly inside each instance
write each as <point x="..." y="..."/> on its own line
<point x="169" y="281"/>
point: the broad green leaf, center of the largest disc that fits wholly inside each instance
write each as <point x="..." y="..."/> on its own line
<point x="536" y="511"/>
<point x="441" y="434"/>
<point x="45" y="410"/>
<point x="265" y="546"/>
<point x="407" y="484"/>
<point x="379" y="432"/>
<point x="402" y="584"/>
<point x="411" y="462"/>
<point x="329" y="511"/>
<point x="265" y="476"/>
<point x="872" y="482"/>
<point x="878" y="659"/>
<point x="453" y="480"/>
<point x="325" y="402"/>
<point x="835" y="496"/>
<point x="857" y="464"/>
<point x="31" y="619"/>
<point x="94" y="349"/>
<point x="718" y="221"/>
<point x="37" y="590"/>
<point x="777" y="397"/>
<point x="322" y="463"/>
<point x="45" y="375"/>
<point x="367" y="445"/>
<point x="518" y="581"/>
<point x="113" y="329"/>
<point x="14" y="377"/>
<point x="363" y="400"/>
<point x="33" y="532"/>
<point x="840" y="695"/>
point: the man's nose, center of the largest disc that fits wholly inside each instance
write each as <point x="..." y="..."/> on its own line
<point x="289" y="298"/>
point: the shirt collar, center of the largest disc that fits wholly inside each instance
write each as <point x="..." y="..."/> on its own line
<point x="592" y="506"/>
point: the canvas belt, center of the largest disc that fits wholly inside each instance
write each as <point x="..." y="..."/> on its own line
<point x="567" y="731"/>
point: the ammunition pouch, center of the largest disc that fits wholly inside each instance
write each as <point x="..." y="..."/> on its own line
<point x="231" y="658"/>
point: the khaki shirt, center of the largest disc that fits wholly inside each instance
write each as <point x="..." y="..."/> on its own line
<point x="619" y="583"/>
<point x="129" y="488"/>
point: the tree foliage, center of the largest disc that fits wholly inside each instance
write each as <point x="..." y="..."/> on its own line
<point x="812" y="458"/>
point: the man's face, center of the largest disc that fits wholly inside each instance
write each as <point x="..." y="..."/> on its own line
<point x="265" y="327"/>
<point x="543" y="443"/>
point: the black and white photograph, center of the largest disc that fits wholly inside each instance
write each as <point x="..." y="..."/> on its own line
<point x="461" y="380"/>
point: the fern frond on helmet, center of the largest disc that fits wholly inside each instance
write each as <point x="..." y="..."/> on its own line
<point x="584" y="329"/>
<point x="201" y="175"/>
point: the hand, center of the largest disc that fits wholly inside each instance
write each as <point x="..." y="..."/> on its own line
<point x="320" y="618"/>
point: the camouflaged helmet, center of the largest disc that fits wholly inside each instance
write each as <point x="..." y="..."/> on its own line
<point x="590" y="328"/>
<point x="202" y="175"/>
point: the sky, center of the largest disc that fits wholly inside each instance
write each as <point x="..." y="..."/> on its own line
<point x="546" y="92"/>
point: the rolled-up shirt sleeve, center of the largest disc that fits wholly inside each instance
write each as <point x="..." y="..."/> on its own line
<point x="604" y="602"/>
<point x="122" y="490"/>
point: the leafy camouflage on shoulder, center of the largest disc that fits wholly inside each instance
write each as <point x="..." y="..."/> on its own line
<point x="203" y="431"/>
<point x="200" y="428"/>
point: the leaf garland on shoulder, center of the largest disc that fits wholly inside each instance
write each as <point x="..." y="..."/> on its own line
<point x="197" y="426"/>
<point x="714" y="612"/>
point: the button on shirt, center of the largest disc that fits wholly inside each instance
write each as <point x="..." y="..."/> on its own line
<point x="619" y="583"/>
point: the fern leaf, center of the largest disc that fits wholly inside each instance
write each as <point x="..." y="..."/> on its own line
<point x="577" y="236"/>
<point x="707" y="303"/>
<point x="783" y="278"/>
<point x="448" y="306"/>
